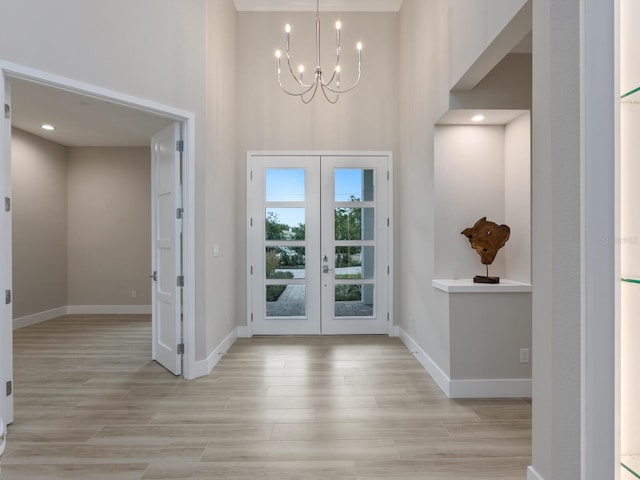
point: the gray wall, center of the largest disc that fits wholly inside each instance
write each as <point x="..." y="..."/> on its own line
<point x="81" y="225"/>
<point x="39" y="229"/>
<point x="109" y="226"/>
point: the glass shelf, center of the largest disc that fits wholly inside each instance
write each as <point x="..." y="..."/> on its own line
<point x="631" y="463"/>
<point x="632" y="96"/>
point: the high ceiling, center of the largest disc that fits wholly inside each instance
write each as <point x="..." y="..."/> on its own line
<point x="325" y="5"/>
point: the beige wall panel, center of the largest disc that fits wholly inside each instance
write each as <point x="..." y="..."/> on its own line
<point x="109" y="227"/>
<point x="39" y="184"/>
<point x="224" y="271"/>
<point x="268" y="119"/>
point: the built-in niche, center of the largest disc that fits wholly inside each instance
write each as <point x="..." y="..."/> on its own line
<point x="483" y="169"/>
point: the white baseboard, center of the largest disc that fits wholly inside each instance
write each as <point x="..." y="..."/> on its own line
<point x="425" y="360"/>
<point x="490" y="388"/>
<point x="480" y="388"/>
<point x="109" y="309"/>
<point x="39" y="317"/>
<point x="532" y="474"/>
<point x="80" y="310"/>
<point x="204" y="367"/>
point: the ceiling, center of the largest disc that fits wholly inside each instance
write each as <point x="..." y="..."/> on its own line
<point x="80" y="120"/>
<point x="325" y="5"/>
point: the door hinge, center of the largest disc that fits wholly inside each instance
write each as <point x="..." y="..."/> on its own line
<point x="387" y="316"/>
<point x="252" y="317"/>
<point x="180" y="281"/>
<point x="251" y="269"/>
<point x="179" y="213"/>
<point x="180" y="349"/>
<point x="251" y="222"/>
<point x="7" y="297"/>
<point x="7" y="111"/>
<point x="388" y="222"/>
<point x="250" y="174"/>
<point x="388" y="270"/>
<point x="180" y="146"/>
<point x="387" y="174"/>
<point x="9" y="388"/>
<point x="7" y="204"/>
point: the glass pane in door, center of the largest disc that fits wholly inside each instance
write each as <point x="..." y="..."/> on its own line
<point x="284" y="224"/>
<point x="285" y="185"/>
<point x="354" y="184"/>
<point x="354" y="300"/>
<point x="286" y="300"/>
<point x="285" y="262"/>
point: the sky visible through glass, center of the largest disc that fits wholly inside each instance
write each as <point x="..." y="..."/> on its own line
<point x="288" y="185"/>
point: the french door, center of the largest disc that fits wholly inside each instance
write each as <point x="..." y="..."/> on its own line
<point x="319" y="244"/>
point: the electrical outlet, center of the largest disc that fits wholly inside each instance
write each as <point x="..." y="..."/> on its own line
<point x="134" y="294"/>
<point x="524" y="355"/>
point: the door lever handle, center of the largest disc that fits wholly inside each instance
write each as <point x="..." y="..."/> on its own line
<point x="326" y="269"/>
<point x="154" y="276"/>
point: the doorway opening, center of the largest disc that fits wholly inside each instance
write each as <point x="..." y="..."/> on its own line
<point x="115" y="101"/>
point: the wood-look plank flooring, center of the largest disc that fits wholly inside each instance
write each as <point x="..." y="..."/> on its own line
<point x="91" y="405"/>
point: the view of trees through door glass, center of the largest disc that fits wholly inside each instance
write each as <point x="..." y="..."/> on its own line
<point x="287" y="225"/>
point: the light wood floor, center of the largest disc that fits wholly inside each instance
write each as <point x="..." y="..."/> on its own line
<point x="91" y="405"/>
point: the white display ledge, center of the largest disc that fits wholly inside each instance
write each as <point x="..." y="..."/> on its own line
<point x="466" y="285"/>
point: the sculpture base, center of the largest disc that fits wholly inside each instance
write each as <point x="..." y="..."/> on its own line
<point x="483" y="279"/>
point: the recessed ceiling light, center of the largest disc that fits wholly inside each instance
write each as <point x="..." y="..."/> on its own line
<point x="46" y="126"/>
<point x="477" y="118"/>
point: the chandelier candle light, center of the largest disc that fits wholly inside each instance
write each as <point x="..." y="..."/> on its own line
<point x="330" y="88"/>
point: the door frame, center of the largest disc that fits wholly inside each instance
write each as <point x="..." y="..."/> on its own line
<point x="392" y="329"/>
<point x="10" y="70"/>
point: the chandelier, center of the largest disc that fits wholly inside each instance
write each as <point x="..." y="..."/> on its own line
<point x="330" y="87"/>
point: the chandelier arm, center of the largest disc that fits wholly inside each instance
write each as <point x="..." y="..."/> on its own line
<point x="298" y="80"/>
<point x="308" y="87"/>
<point x="324" y="92"/>
<point x="312" y="95"/>
<point x="338" y="91"/>
<point x="298" y="94"/>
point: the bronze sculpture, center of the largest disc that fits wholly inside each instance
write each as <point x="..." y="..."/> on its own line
<point x="487" y="238"/>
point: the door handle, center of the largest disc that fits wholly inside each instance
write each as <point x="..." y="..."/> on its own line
<point x="154" y="276"/>
<point x="326" y="269"/>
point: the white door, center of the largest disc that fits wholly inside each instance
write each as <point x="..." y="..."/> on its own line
<point x="6" y="314"/>
<point x="318" y="244"/>
<point x="286" y="229"/>
<point x="166" y="249"/>
<point x="355" y="259"/>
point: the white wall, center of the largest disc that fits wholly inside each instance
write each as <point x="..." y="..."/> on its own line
<point x="574" y="211"/>
<point x="469" y="176"/>
<point x="423" y="100"/>
<point x="474" y="27"/>
<point x="39" y="221"/>
<point x="223" y="272"/>
<point x="517" y="198"/>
